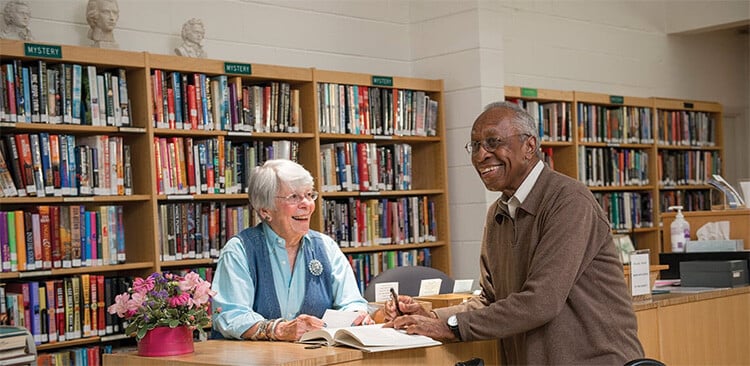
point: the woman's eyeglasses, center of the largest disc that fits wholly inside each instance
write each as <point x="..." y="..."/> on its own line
<point x="296" y="198"/>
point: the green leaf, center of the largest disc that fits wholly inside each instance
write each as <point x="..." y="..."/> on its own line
<point x="174" y="323"/>
<point x="141" y="333"/>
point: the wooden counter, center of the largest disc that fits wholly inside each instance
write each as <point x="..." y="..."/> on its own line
<point x="677" y="328"/>
<point x="224" y="353"/>
<point x="708" y="328"/>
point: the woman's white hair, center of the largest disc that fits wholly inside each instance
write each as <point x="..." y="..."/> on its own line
<point x="268" y="179"/>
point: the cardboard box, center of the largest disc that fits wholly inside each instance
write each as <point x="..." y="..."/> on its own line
<point x="731" y="273"/>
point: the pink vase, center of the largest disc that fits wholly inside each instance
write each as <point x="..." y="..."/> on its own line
<point x="166" y="341"/>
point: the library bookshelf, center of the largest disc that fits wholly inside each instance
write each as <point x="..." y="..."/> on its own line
<point x="173" y="215"/>
<point x="626" y="150"/>
<point x="689" y="150"/>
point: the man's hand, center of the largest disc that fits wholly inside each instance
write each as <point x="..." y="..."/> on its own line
<point x="424" y="325"/>
<point x="408" y="306"/>
<point x="293" y="329"/>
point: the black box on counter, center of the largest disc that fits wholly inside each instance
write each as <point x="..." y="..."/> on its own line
<point x="673" y="260"/>
<point x="729" y="273"/>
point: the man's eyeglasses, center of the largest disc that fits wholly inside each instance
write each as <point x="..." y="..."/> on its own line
<point x="296" y="198"/>
<point x="490" y="144"/>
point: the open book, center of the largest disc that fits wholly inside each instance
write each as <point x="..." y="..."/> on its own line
<point x="368" y="338"/>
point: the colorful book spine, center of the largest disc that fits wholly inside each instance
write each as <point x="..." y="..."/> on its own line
<point x="124" y="99"/>
<point x="13" y="236"/>
<point x="46" y="236"/>
<point x="101" y="306"/>
<point x="51" y="316"/>
<point x="55" y="239"/>
<point x="5" y="234"/>
<point x="77" y="73"/>
<point x="60" y="306"/>
<point x="85" y="305"/>
<point x="36" y="229"/>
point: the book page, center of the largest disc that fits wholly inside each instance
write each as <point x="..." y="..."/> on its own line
<point x="319" y="336"/>
<point x="374" y="338"/>
<point x="339" y="319"/>
<point x="376" y="335"/>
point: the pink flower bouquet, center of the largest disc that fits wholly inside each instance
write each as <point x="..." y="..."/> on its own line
<point x="164" y="301"/>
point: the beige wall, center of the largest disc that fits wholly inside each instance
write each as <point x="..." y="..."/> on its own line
<point x="618" y="47"/>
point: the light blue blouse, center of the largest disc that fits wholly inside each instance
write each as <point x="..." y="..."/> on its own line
<point x="236" y="290"/>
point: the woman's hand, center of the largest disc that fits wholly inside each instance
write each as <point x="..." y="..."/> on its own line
<point x="293" y="329"/>
<point x="363" y="318"/>
<point x="407" y="305"/>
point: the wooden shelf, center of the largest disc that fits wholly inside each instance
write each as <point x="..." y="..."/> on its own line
<point x="141" y="210"/>
<point x="566" y="154"/>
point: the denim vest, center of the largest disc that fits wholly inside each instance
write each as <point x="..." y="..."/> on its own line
<point x="318" y="292"/>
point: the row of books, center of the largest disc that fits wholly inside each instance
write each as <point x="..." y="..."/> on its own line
<point x="619" y="124"/>
<point x="64" y="309"/>
<point x="687" y="167"/>
<point x="548" y="156"/>
<point x="360" y="166"/>
<point x="199" y="102"/>
<point x="363" y="110"/>
<point x="199" y="229"/>
<point x="216" y="165"/>
<point x="690" y="200"/>
<point x="627" y="210"/>
<point x="612" y="167"/>
<point x="43" y="164"/>
<point x="686" y="128"/>
<point x="76" y="356"/>
<point x="41" y="92"/>
<point x="404" y="220"/>
<point x="368" y="265"/>
<point x="552" y="118"/>
<point x="47" y="237"/>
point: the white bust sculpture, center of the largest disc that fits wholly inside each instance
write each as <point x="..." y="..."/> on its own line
<point x="193" y="32"/>
<point x="102" y="16"/>
<point x="17" y="14"/>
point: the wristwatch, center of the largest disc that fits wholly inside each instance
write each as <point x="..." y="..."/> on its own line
<point x="453" y="326"/>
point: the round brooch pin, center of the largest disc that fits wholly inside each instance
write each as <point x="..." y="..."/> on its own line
<point x="315" y="267"/>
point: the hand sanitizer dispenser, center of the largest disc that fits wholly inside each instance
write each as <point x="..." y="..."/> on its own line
<point x="679" y="231"/>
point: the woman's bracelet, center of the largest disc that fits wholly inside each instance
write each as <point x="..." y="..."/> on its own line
<point x="273" y="329"/>
<point x="269" y="329"/>
<point x="262" y="324"/>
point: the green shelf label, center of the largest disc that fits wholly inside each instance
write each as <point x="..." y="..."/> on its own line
<point x="42" y="50"/>
<point x="382" y="80"/>
<point x="616" y="99"/>
<point x="529" y="92"/>
<point x="235" y="68"/>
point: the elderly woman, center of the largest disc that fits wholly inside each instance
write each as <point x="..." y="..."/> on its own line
<point x="275" y="280"/>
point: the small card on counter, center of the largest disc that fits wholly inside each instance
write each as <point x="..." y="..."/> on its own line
<point x="430" y="287"/>
<point x="640" y="283"/>
<point x="462" y="286"/>
<point x="383" y="291"/>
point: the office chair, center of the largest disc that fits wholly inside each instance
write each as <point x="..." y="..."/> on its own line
<point x="409" y="278"/>
<point x="644" y="362"/>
